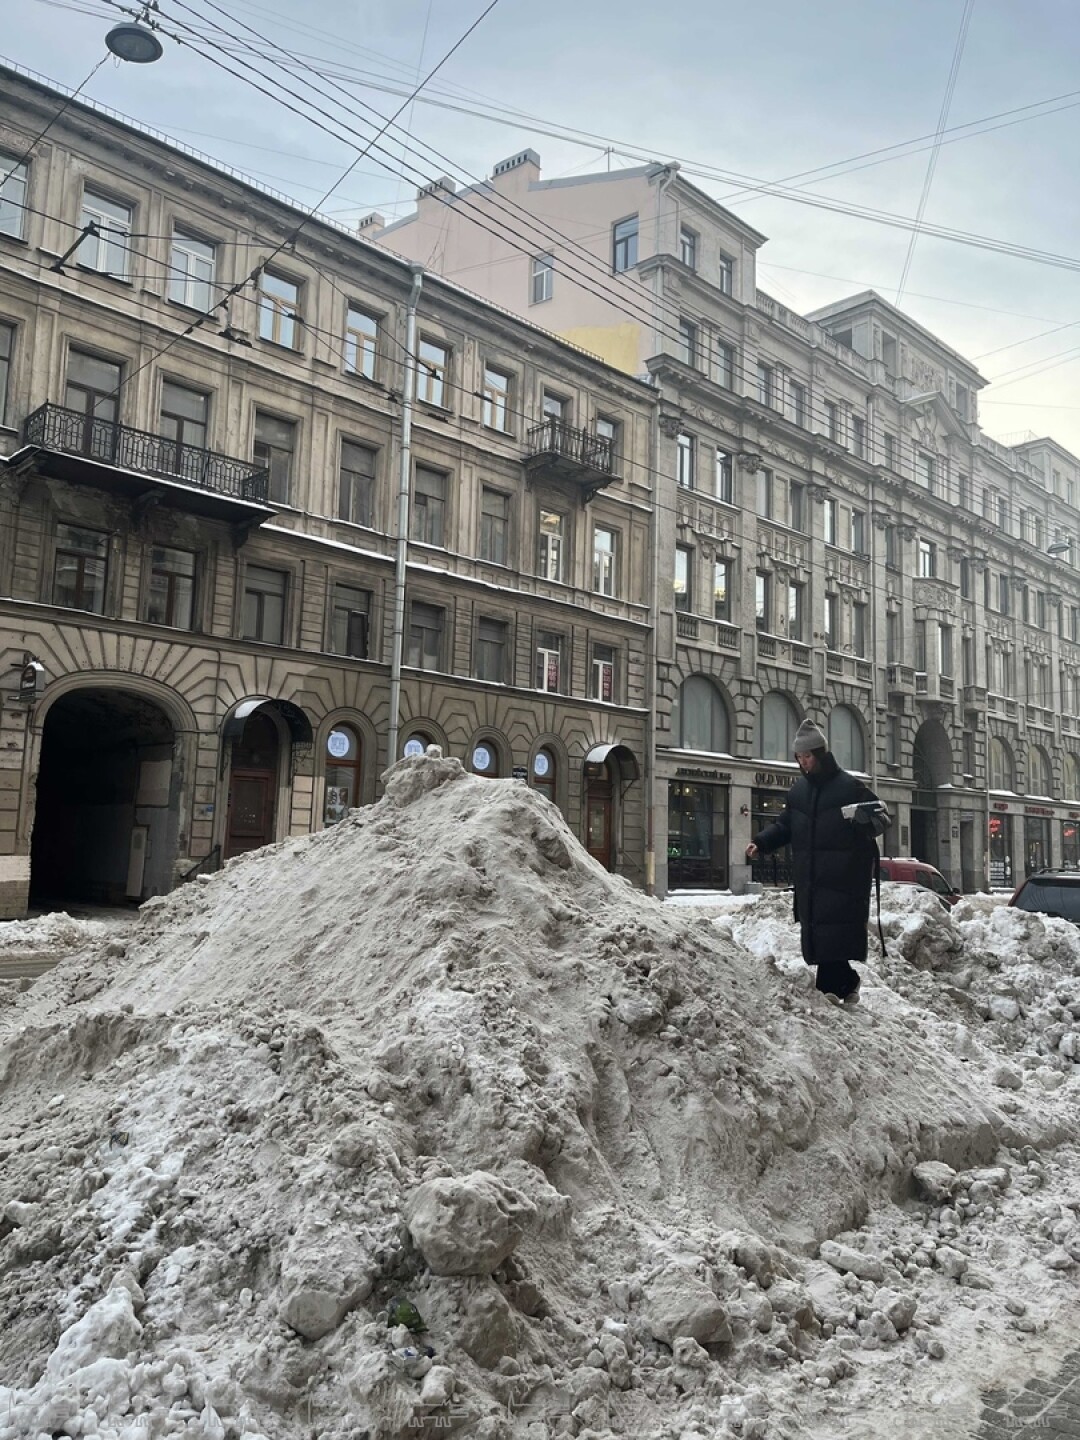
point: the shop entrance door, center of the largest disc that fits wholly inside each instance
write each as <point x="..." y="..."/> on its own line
<point x="598" y="818"/>
<point x="253" y="787"/>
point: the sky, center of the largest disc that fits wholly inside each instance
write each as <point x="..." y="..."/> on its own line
<point x="759" y="91"/>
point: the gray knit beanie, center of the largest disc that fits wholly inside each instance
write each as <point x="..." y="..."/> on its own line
<point x="808" y="737"/>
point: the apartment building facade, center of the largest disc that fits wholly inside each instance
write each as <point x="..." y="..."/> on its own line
<point x="838" y="537"/>
<point x="199" y="492"/>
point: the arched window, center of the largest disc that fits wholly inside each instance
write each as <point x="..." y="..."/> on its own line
<point x="485" y="759"/>
<point x="416" y="744"/>
<point x="1072" y="776"/>
<point x="777" y="723"/>
<point x="846" y="738"/>
<point x="544" y="773"/>
<point x="1039" y="776"/>
<point x="699" y="718"/>
<point x="1001" y="765"/>
<point x="342" y="773"/>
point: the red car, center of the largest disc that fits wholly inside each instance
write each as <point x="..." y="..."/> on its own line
<point x="918" y="872"/>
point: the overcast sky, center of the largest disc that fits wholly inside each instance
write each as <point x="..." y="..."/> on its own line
<point x="762" y="90"/>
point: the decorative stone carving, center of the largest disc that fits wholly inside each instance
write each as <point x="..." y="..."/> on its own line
<point x="671" y="424"/>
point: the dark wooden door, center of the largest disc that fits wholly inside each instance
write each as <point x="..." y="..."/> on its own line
<point x="598" y="822"/>
<point x="251" y="811"/>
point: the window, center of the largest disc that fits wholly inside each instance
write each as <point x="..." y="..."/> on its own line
<point x="763" y="493"/>
<point x="432" y="370"/>
<point x="892" y="740"/>
<point x="927" y="560"/>
<point x="544" y="773"/>
<point x="967" y="659"/>
<point x="549" y="649"/>
<point x="832" y="622"/>
<point x="1001" y="509"/>
<point x="543" y="278"/>
<point x="846" y="738"/>
<point x="858" y="436"/>
<point x="858" y="628"/>
<point x="555" y="407"/>
<point x="342" y="774"/>
<point x="170" y="596"/>
<point x="725" y="477"/>
<point x="604" y="561"/>
<point x="608" y="430"/>
<point x="892" y="547"/>
<point x="494" y="525"/>
<point x="966" y="589"/>
<point x="274" y="450"/>
<point x="684" y="461"/>
<point x="796" y="610"/>
<point x="279" y="309"/>
<point x="624" y="244"/>
<point x="1001" y="764"/>
<point x="491" y="650"/>
<point x="858" y="532"/>
<point x="964" y="496"/>
<point x="888" y="353"/>
<point x="683" y="575"/>
<point x="350" y="618"/>
<point x="12" y="195"/>
<point x="796" y="505"/>
<point x="7" y="346"/>
<point x="425" y="636"/>
<point x="91" y="388"/>
<point x="925" y="470"/>
<point x="832" y="420"/>
<point x="356" y="483"/>
<point x="106" y="250"/>
<point x="427" y="518"/>
<point x="603" y="673"/>
<point x="832" y="521"/>
<point x="185" y="418"/>
<point x="1003" y="595"/>
<point x="763" y="600"/>
<point x="765" y="378"/>
<point x="725" y="275"/>
<point x="688" y="342"/>
<point x="797" y="402"/>
<point x="777" y="723"/>
<point x="552" y="556"/>
<point x="361" y="342"/>
<point x="263" y="615"/>
<point x="81" y="568"/>
<point x="919" y="636"/>
<point x="890" y="449"/>
<point x="688" y="242"/>
<point x="722" y="576"/>
<point x="191" y="271"/>
<point x="725" y="364"/>
<point x="496" y="396"/>
<point x="699" y="717"/>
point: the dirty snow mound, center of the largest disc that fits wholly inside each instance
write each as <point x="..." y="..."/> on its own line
<point x="427" y="1121"/>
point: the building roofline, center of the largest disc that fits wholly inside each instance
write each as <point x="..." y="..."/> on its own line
<point x="371" y="249"/>
<point x="871" y="298"/>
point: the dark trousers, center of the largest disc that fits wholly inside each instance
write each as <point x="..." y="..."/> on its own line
<point x="836" y="977"/>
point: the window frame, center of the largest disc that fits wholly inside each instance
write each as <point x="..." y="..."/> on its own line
<point x="284" y="316"/>
<point x="684" y="562"/>
<point x="603" y="672"/>
<point x="605" y="562"/>
<point x="260" y="638"/>
<point x="186" y="281"/>
<point x="7" y="360"/>
<point x="494" y="400"/>
<point x="688" y="246"/>
<point x="725" y="365"/>
<point x="552" y="546"/>
<point x="624" y="244"/>
<point x="153" y="570"/>
<point x="543" y="269"/>
<point x="434" y="377"/>
<point x="10" y="168"/>
<point x="420" y="611"/>
<point x="685" y="460"/>
<point x="492" y="538"/>
<point x="97" y="213"/>
<point x="494" y="647"/>
<point x="275" y="472"/>
<point x="367" y="519"/>
<point x="80" y="555"/>
<point x="429" y="519"/>
<point x="339" y="591"/>
<point x="361" y="343"/>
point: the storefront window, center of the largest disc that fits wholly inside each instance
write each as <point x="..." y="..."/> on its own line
<point x="774" y="869"/>
<point x="415" y="745"/>
<point x="485" y="759"/>
<point x="777" y="723"/>
<point x="342" y="774"/>
<point x="1070" y="844"/>
<point x="1036" y="843"/>
<point x="846" y="738"/>
<point x="697" y="836"/>
<point x="543" y="774"/>
<point x="1001" y="863"/>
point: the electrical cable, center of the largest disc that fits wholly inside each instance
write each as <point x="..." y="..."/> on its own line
<point x="42" y="133"/>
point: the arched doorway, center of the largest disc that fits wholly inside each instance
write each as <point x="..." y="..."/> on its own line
<point x="931" y="766"/>
<point x="107" y="813"/>
<point x="253" y="785"/>
<point x="608" y="769"/>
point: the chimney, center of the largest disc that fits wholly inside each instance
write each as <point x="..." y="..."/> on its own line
<point x="517" y="172"/>
<point x="370" y="226"/>
<point x="433" y="196"/>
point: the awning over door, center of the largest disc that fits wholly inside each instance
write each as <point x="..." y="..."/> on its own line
<point x="624" y="758"/>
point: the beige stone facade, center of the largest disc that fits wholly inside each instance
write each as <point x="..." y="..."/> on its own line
<point x="845" y="541"/>
<point x="198" y="519"/>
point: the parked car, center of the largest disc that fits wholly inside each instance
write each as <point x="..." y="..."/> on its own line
<point x="918" y="872"/>
<point x="1050" y="892"/>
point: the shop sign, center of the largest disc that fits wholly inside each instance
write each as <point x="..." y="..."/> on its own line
<point x="520" y="772"/>
<point x="1001" y="805"/>
<point x="688" y="772"/>
<point x="766" y="780"/>
<point x="31" y="680"/>
<point x="1038" y="810"/>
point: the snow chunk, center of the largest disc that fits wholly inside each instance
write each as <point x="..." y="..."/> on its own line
<point x="469" y="1226"/>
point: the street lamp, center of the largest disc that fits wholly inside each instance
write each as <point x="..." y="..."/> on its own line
<point x="1061" y="546"/>
<point x="135" y="43"/>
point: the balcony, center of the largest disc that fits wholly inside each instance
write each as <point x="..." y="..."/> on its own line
<point x="716" y="634"/>
<point x="848" y="666"/>
<point x="900" y="679"/>
<point x="974" y="697"/>
<point x="70" y="445"/>
<point x="577" y="458"/>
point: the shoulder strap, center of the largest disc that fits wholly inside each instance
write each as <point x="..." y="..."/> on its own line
<point x="877" y="887"/>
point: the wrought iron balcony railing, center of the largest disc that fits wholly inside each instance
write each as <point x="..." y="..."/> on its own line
<point x="72" y="432"/>
<point x="571" y="450"/>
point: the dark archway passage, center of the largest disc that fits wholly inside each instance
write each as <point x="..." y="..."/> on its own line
<point x="105" y="826"/>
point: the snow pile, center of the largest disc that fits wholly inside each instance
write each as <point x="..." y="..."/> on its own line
<point x="427" y="1122"/>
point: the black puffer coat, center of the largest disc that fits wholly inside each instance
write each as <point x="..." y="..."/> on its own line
<point x="833" y="861"/>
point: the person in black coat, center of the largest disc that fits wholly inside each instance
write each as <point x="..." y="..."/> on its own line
<point x="833" y="861"/>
